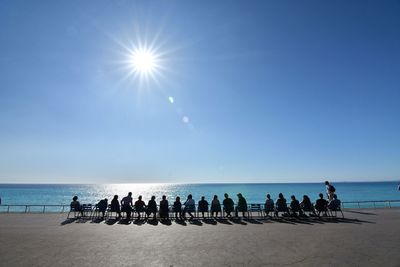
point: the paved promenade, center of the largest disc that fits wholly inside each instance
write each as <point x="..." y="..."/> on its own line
<point x="367" y="237"/>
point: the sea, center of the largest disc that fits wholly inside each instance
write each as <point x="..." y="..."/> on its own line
<point x="61" y="194"/>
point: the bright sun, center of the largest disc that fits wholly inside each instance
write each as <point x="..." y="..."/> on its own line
<point x="143" y="61"/>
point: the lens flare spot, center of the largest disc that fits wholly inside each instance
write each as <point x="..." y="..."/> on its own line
<point x="185" y="119"/>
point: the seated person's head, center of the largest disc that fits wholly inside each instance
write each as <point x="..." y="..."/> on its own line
<point x="226" y="195"/>
<point x="321" y="196"/>
<point x="75" y="198"/>
<point x="140" y="197"/>
<point x="153" y="197"/>
<point x="268" y="196"/>
<point x="164" y="197"/>
<point x="293" y="197"/>
<point x="280" y="195"/>
<point x="334" y="196"/>
<point x="190" y="196"/>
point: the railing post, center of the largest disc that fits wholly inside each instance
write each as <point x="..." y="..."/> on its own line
<point x="44" y="208"/>
<point x="8" y="209"/>
<point x="374" y="205"/>
<point x="389" y="204"/>
<point x="26" y="208"/>
<point x="358" y="204"/>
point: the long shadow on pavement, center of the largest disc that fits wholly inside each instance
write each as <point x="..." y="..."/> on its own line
<point x="166" y="222"/>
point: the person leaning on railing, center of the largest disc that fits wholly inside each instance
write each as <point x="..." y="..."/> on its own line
<point x="126" y="205"/>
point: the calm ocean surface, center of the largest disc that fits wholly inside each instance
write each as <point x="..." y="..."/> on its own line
<point x="254" y="193"/>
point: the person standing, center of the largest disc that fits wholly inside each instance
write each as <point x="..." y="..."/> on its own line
<point x="330" y="190"/>
<point x="126" y="205"/>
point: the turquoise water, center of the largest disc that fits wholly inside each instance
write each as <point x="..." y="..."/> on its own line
<point x="255" y="193"/>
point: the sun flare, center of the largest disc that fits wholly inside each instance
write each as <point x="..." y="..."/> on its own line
<point x="143" y="61"/>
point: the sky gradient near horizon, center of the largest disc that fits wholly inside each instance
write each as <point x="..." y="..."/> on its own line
<point x="260" y="91"/>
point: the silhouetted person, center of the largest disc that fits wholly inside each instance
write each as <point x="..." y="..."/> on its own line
<point x="306" y="205"/>
<point x="189" y="207"/>
<point x="126" y="205"/>
<point x="241" y="206"/>
<point x="202" y="206"/>
<point x="215" y="206"/>
<point x="321" y="205"/>
<point x="152" y="207"/>
<point x="76" y="205"/>
<point x="330" y="190"/>
<point x="178" y="208"/>
<point x="295" y="206"/>
<point x="102" y="206"/>
<point x="335" y="203"/>
<point x="269" y="205"/>
<point x="139" y="206"/>
<point x="115" y="206"/>
<point x="228" y="205"/>
<point x="281" y="205"/>
<point x="164" y="208"/>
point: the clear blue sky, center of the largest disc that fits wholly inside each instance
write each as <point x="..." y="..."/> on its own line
<point x="275" y="91"/>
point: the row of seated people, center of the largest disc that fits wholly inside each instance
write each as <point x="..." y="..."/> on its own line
<point x="188" y="207"/>
<point x="180" y="210"/>
<point x="300" y="208"/>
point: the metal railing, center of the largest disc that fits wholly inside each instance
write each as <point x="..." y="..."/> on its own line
<point x="36" y="208"/>
<point x="372" y="203"/>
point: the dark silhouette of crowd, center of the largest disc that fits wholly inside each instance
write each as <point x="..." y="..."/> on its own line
<point x="180" y="210"/>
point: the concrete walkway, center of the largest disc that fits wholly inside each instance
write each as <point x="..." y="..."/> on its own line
<point x="364" y="238"/>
